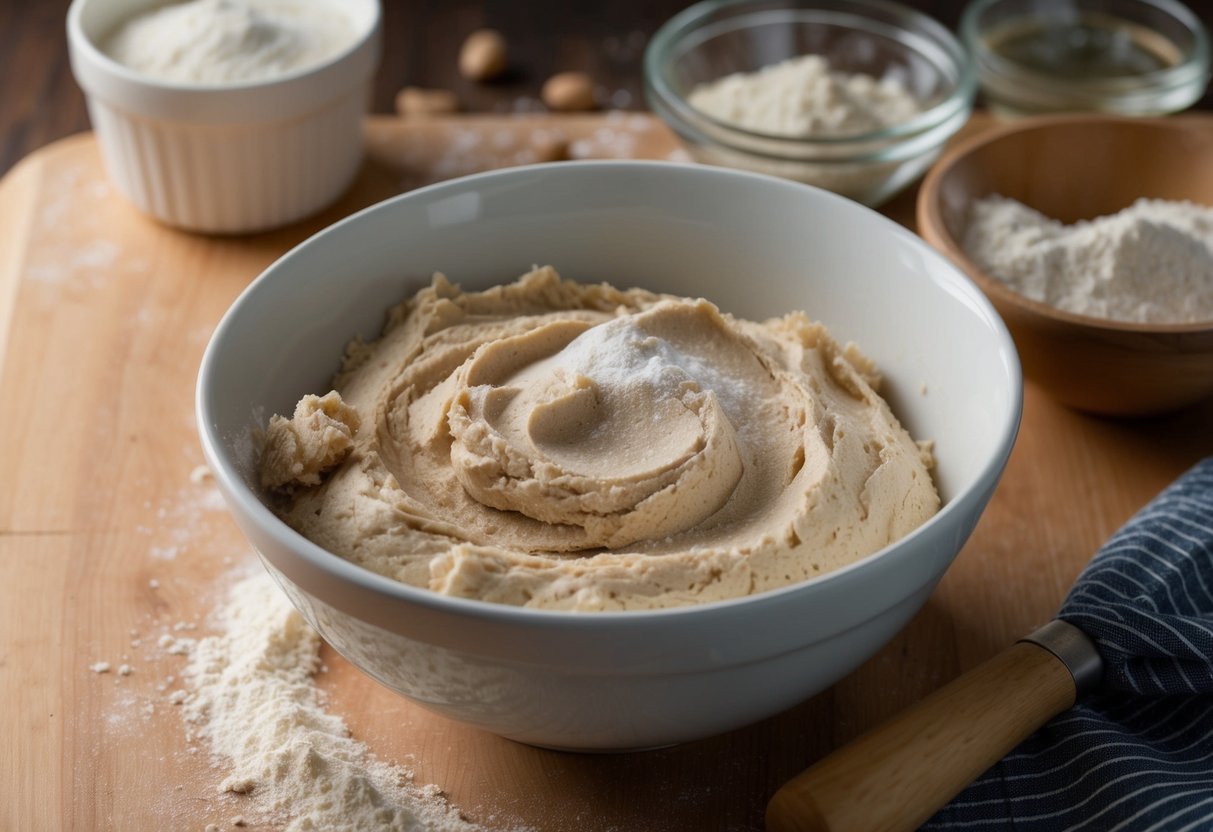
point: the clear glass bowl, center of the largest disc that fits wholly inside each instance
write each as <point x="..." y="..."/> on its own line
<point x="719" y="37"/>
<point x="1129" y="57"/>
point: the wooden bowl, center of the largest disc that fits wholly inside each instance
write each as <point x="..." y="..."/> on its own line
<point x="1075" y="167"/>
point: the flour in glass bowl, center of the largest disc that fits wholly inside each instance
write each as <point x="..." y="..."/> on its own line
<point x="230" y="41"/>
<point x="804" y="120"/>
<point x="1150" y="263"/>
<point x="805" y="97"/>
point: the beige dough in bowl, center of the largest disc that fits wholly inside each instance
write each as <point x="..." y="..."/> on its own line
<point x="755" y="248"/>
<point x="563" y="446"/>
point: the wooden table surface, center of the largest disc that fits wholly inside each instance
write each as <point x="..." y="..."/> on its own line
<point x="40" y="102"/>
<point x="103" y="318"/>
<point x="107" y="544"/>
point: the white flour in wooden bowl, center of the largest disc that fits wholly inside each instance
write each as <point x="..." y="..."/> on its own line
<point x="1150" y="263"/>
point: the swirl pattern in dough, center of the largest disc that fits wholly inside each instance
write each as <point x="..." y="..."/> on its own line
<point x="569" y="446"/>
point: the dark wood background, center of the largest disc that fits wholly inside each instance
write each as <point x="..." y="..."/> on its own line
<point x="40" y="102"/>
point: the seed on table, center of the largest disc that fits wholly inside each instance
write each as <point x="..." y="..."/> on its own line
<point x="482" y="57"/>
<point x="419" y="102"/>
<point x="550" y="149"/>
<point x="569" y="91"/>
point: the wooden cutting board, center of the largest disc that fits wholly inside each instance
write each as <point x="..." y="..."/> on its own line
<point x="107" y="544"/>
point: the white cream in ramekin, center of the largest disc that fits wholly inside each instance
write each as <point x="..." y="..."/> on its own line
<point x="226" y="158"/>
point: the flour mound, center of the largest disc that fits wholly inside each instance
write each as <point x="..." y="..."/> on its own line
<point x="253" y="698"/>
<point x="805" y="97"/>
<point x="230" y="41"/>
<point x="1150" y="263"/>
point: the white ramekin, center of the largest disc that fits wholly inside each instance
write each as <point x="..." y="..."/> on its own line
<point x="226" y="158"/>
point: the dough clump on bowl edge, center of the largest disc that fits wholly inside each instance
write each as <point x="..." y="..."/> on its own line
<point x="565" y="446"/>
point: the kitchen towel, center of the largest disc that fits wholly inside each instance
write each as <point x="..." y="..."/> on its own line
<point x="1138" y="755"/>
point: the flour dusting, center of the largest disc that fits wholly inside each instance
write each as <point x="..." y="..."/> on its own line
<point x="252" y="696"/>
<point x="620" y="356"/>
<point x="467" y="150"/>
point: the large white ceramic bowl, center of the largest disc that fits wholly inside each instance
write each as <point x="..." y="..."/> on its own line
<point x="756" y="246"/>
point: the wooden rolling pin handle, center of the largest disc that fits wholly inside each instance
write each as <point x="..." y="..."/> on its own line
<point x="900" y="773"/>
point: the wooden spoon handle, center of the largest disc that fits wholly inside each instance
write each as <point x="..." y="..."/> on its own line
<point x="900" y="773"/>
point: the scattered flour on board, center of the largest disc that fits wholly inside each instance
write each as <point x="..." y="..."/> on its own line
<point x="1152" y="262"/>
<point x="249" y="693"/>
<point x="72" y="252"/>
<point x="200" y="474"/>
<point x="252" y="696"/>
<point x="91" y="260"/>
<point x="472" y="150"/>
<point x="185" y="517"/>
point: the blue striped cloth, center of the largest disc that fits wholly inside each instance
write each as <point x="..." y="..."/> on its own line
<point x="1139" y="755"/>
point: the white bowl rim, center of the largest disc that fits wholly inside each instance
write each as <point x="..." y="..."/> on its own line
<point x="343" y="570"/>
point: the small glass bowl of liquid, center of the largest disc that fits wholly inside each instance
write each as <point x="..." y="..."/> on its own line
<point x="1132" y="57"/>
